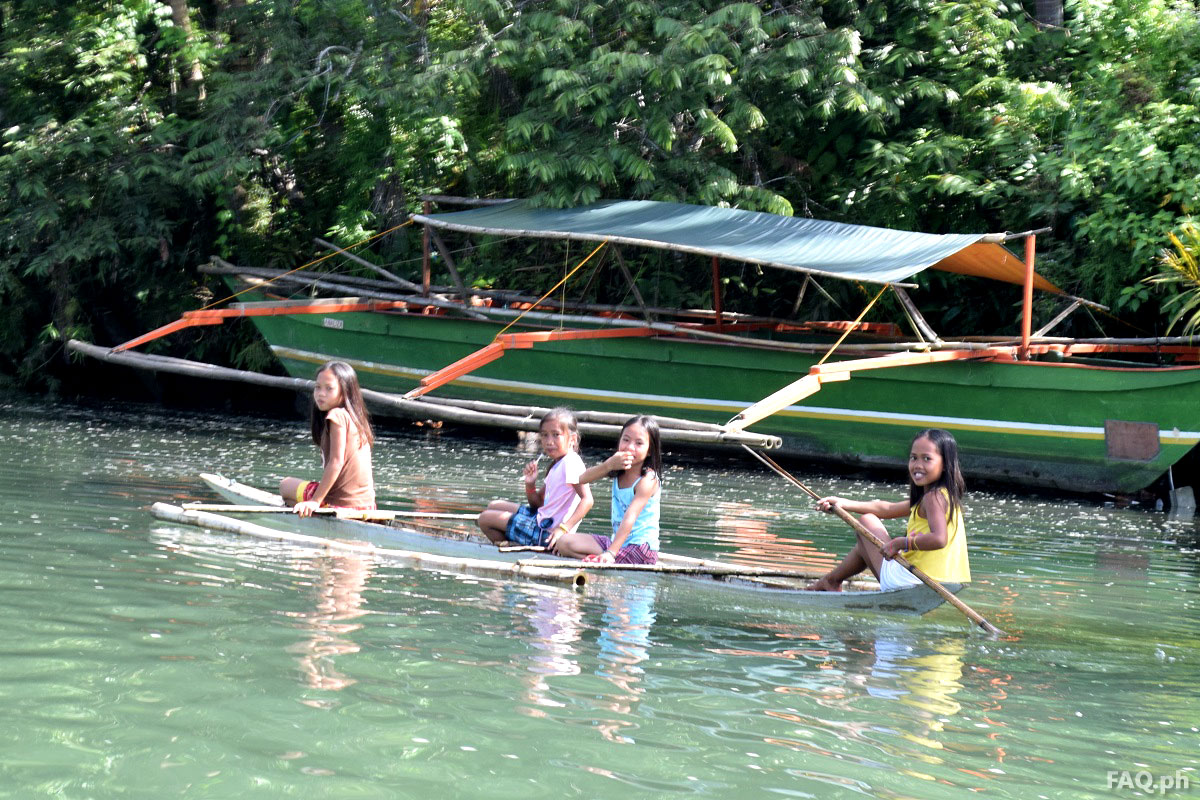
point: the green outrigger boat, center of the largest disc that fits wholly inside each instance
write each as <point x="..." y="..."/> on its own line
<point x="1078" y="415"/>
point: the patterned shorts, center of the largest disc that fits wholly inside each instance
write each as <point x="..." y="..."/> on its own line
<point x="525" y="529"/>
<point x="631" y="554"/>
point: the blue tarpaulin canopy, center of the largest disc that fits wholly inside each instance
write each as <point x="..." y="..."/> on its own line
<point x="833" y="249"/>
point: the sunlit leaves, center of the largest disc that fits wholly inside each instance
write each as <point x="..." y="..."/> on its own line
<point x="680" y="87"/>
<point x="1181" y="276"/>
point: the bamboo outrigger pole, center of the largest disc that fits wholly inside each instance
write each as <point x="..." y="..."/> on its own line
<point x="840" y="371"/>
<point x="470" y="566"/>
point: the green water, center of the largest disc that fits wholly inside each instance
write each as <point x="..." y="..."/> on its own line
<point x="142" y="659"/>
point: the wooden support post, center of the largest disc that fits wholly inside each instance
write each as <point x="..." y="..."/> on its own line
<point x="426" y="208"/>
<point x="1027" y="301"/>
<point x="716" y="278"/>
<point x="450" y="265"/>
<point x="637" y="295"/>
<point x="918" y="318"/>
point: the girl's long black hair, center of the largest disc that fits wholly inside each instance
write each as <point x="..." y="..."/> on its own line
<point x="352" y="401"/>
<point x="951" y="478"/>
<point x="653" y="452"/>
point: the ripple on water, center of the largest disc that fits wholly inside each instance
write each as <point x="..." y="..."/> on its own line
<point x="148" y="659"/>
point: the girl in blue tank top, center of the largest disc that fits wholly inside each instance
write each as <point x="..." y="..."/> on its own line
<point x="636" y="489"/>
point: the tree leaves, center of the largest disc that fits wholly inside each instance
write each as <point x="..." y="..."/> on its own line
<point x="335" y="116"/>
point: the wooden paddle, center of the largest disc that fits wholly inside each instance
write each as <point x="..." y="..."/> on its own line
<point x="341" y="513"/>
<point x="875" y="540"/>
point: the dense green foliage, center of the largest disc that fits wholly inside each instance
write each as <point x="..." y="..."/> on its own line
<point x="139" y="137"/>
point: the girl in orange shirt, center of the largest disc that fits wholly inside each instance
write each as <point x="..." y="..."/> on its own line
<point x="341" y="428"/>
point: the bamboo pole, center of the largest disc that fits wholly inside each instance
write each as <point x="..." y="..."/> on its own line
<point x="915" y="314"/>
<point x="508" y="295"/>
<point x="340" y="285"/>
<point x="353" y="284"/>
<point x="396" y="279"/>
<point x="716" y="289"/>
<point x="466" y="201"/>
<point x="414" y="409"/>
<point x="425" y="254"/>
<point x="609" y="417"/>
<point x="373" y="515"/>
<point x="1041" y="332"/>
<point x="470" y="566"/>
<point x="716" y="570"/>
<point x="551" y="318"/>
<point x="633" y="287"/>
<point x="861" y="529"/>
<point x="451" y="266"/>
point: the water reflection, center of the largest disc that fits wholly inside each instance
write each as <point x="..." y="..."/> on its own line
<point x="859" y="681"/>
<point x="624" y="643"/>
<point x="142" y="649"/>
<point x="337" y="583"/>
<point x="555" y="627"/>
<point x="748" y="530"/>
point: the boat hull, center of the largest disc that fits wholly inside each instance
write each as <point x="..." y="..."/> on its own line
<point x="1035" y="423"/>
<point x="862" y="596"/>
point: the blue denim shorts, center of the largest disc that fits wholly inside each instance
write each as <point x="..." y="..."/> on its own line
<point x="525" y="529"/>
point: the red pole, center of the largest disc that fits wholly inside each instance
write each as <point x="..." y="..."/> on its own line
<point x="716" y="276"/>
<point x="1027" y="303"/>
<point x="426" y="207"/>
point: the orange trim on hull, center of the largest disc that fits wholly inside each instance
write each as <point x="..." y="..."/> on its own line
<point x="215" y="316"/>
<point x="515" y="341"/>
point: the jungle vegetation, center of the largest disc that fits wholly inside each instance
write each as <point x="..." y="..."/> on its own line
<point x="137" y="138"/>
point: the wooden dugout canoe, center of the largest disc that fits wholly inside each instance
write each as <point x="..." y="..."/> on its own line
<point x="471" y="546"/>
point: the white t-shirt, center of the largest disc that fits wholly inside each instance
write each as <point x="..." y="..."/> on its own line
<point x="559" y="497"/>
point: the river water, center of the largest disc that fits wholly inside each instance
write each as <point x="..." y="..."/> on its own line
<point x="143" y="659"/>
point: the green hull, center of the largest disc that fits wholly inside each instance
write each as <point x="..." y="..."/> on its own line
<point x="1029" y="423"/>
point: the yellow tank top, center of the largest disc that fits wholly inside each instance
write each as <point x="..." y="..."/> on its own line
<point x="950" y="562"/>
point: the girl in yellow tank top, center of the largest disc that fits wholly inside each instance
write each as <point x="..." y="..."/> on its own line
<point x="935" y="539"/>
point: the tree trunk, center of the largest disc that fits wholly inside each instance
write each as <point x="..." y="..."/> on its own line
<point x="183" y="20"/>
<point x="1050" y="13"/>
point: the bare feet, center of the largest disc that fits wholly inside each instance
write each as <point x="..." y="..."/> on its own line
<point x="825" y="585"/>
